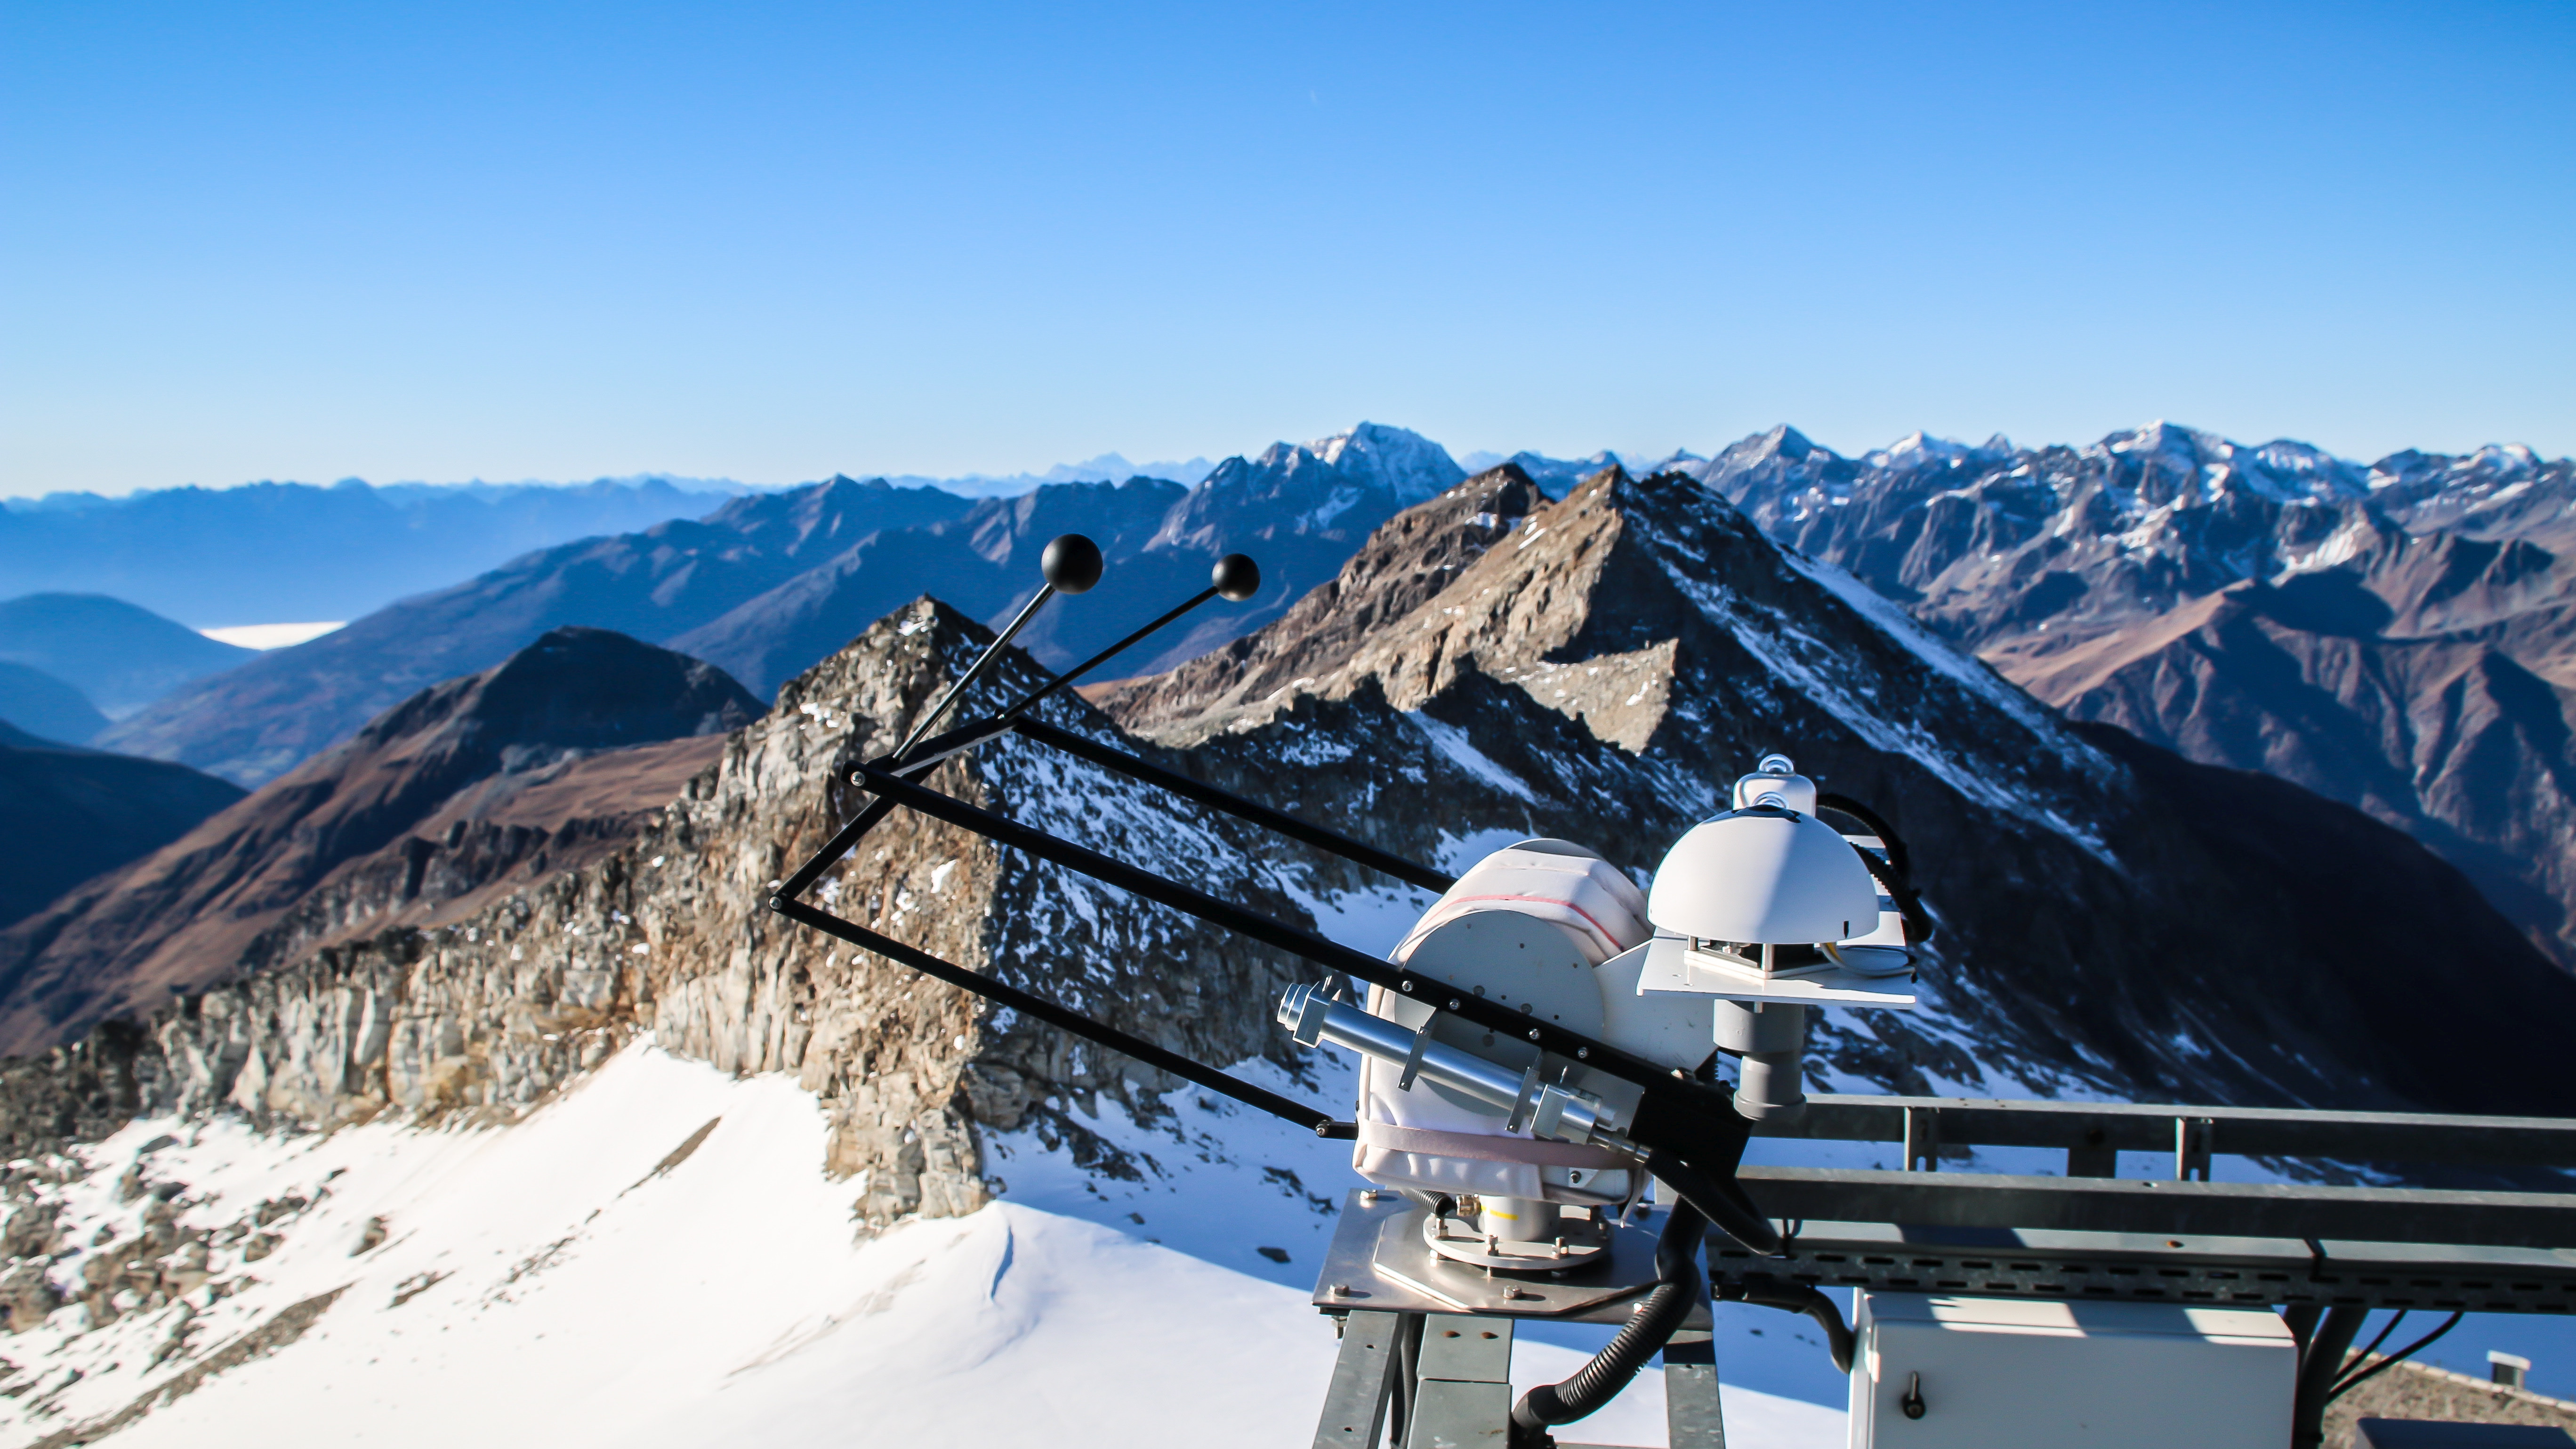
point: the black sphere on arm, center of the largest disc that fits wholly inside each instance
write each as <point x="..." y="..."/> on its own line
<point x="1236" y="577"/>
<point x="1071" y="563"/>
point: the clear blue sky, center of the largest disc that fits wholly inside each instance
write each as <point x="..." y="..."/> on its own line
<point x="533" y="240"/>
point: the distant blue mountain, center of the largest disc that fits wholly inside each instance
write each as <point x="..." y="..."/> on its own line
<point x="46" y="707"/>
<point x="120" y="656"/>
<point x="770" y="583"/>
<point x="267" y="553"/>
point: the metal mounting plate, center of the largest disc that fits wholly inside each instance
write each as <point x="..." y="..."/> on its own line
<point x="1378" y="1256"/>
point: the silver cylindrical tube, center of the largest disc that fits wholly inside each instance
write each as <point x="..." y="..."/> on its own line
<point x="1311" y="1017"/>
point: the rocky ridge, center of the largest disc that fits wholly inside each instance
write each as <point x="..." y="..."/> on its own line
<point x="2113" y="918"/>
<point x="485" y="1015"/>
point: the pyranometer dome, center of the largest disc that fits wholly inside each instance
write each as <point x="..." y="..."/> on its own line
<point x="1764" y="876"/>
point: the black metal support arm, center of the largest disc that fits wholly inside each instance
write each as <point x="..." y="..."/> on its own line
<point x="916" y="760"/>
<point x="1105" y="655"/>
<point x="1689" y="1129"/>
<point x="1243" y="921"/>
<point x="1321" y="1123"/>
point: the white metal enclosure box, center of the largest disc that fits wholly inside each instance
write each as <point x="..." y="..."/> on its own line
<point x="1994" y="1373"/>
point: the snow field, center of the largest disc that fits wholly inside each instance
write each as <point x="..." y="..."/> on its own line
<point x="552" y="1283"/>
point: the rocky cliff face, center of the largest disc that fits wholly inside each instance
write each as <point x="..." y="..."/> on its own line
<point x="485" y="1014"/>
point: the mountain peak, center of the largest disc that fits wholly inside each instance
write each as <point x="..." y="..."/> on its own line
<point x="1405" y="463"/>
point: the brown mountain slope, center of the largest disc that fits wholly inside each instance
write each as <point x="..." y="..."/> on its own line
<point x="476" y="776"/>
<point x="2446" y="736"/>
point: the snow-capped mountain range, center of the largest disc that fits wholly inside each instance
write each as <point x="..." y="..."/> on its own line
<point x="467" y="1116"/>
<point x="2400" y="636"/>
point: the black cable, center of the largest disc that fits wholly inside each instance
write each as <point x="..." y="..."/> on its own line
<point x="1897" y="855"/>
<point x="1408" y="1377"/>
<point x="1721" y="1201"/>
<point x="2377" y="1339"/>
<point x="2317" y="1370"/>
<point x="1918" y="922"/>
<point x="1764" y="1292"/>
<point x="1675" y="1294"/>
<point x="2347" y="1385"/>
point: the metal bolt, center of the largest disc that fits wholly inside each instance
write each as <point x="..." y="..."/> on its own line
<point x="1407" y="985"/>
<point x="1453" y="1003"/>
<point x="1582" y="1052"/>
<point x="1341" y="1290"/>
<point x="1533" y="1033"/>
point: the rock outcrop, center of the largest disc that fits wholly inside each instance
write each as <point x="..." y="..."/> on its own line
<point x="2113" y="918"/>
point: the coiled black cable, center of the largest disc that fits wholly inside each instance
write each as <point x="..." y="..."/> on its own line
<point x="1676" y="1292"/>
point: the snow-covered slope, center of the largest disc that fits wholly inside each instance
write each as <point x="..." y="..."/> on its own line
<point x="657" y="1258"/>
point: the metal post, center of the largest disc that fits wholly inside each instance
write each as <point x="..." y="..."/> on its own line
<point x="1355" y="1399"/>
<point x="1922" y="1139"/>
<point x="2191" y="1148"/>
<point x="1693" y="1417"/>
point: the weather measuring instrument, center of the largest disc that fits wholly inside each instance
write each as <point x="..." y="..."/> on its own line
<point x="1544" y="1044"/>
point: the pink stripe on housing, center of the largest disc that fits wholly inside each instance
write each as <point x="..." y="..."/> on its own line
<point x="1606" y="933"/>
